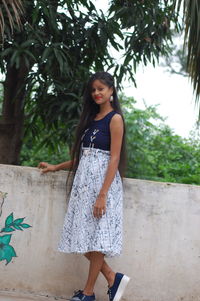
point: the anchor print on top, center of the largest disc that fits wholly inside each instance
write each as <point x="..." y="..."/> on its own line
<point x="84" y="134"/>
<point x="93" y="137"/>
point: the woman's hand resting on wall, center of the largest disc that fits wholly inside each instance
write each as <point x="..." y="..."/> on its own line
<point x="46" y="167"/>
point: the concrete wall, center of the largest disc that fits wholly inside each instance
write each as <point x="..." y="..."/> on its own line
<point x="161" y="239"/>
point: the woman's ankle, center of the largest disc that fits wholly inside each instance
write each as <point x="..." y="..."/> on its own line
<point x="88" y="293"/>
<point x="111" y="278"/>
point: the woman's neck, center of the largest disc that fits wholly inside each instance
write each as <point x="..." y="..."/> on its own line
<point x="104" y="109"/>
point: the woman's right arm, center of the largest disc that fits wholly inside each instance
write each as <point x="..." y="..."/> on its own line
<point x="46" y="167"/>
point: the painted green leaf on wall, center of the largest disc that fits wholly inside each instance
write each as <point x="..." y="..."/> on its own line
<point x="17" y="227"/>
<point x="7" y="229"/>
<point x="19" y="221"/>
<point x="9" y="220"/>
<point x="25" y="226"/>
<point x="7" y="252"/>
<point x="12" y="225"/>
<point x="5" y="239"/>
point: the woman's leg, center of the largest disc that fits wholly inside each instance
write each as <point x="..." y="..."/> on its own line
<point x="106" y="270"/>
<point x="96" y="262"/>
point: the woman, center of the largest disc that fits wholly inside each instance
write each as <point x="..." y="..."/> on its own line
<point x="93" y="222"/>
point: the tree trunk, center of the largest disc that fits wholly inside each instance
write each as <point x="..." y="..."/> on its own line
<point x="12" y="119"/>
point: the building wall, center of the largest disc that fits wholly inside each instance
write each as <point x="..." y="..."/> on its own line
<point x="161" y="250"/>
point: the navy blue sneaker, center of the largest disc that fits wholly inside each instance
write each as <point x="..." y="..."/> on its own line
<point x="116" y="291"/>
<point x="79" y="296"/>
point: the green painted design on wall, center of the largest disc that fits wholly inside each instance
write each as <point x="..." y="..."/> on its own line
<point x="7" y="252"/>
<point x="12" y="225"/>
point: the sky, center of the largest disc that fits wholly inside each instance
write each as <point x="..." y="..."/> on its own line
<point x="173" y="94"/>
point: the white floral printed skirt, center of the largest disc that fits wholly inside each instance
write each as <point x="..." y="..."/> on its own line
<point x="82" y="232"/>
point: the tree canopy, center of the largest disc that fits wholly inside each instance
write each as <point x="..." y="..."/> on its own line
<point x="47" y="64"/>
<point x="191" y="18"/>
<point x="10" y="14"/>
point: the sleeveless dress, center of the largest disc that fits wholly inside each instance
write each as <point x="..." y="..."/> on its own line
<point x="82" y="232"/>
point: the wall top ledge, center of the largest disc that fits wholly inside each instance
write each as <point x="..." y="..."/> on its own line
<point x="128" y="181"/>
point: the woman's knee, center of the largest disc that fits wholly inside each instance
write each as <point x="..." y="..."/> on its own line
<point x="87" y="255"/>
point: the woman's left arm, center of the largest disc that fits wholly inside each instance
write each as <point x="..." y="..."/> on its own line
<point x="116" y="131"/>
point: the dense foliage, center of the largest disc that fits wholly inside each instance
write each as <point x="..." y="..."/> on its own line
<point x="10" y="14"/>
<point x="154" y="151"/>
<point x="47" y="64"/>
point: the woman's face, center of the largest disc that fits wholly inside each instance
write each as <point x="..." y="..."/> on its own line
<point x="100" y="92"/>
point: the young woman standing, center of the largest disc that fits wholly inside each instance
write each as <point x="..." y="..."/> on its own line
<point x="93" y="222"/>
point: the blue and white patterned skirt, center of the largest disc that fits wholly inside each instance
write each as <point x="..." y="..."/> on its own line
<point x="82" y="232"/>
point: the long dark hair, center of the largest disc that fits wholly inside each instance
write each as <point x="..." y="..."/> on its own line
<point x="90" y="109"/>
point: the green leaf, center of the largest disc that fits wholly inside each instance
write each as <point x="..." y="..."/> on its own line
<point x="28" y="43"/>
<point x="18" y="221"/>
<point x="7" y="229"/>
<point x="46" y="53"/>
<point x="7" y="252"/>
<point x="17" y="227"/>
<point x="9" y="219"/>
<point x="5" y="239"/>
<point x="14" y="57"/>
<point x="6" y="52"/>
<point x="30" y="54"/>
<point x="25" y="225"/>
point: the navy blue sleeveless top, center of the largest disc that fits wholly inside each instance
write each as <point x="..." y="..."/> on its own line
<point x="98" y="134"/>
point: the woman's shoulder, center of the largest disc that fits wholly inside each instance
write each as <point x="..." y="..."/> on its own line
<point x="116" y="116"/>
<point x="116" y="120"/>
<point x="115" y="113"/>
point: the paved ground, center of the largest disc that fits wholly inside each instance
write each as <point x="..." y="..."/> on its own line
<point x="9" y="296"/>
